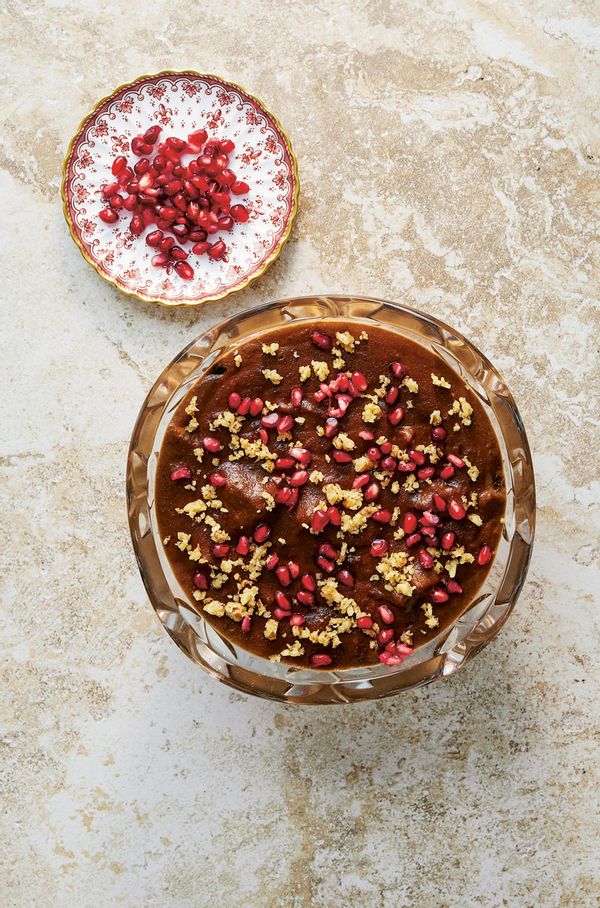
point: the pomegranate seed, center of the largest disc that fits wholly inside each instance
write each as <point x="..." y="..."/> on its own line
<point x="262" y="533"/>
<point x="294" y="569"/>
<point x="200" y="248"/>
<point x="130" y="202"/>
<point x="297" y="620"/>
<point x="270" y="420"/>
<point x="453" y="587"/>
<point x="284" y="424"/>
<point x="200" y="581"/>
<point x="118" y="165"/>
<point x="244" y="407"/>
<point x="283" y="575"/>
<point x="301" y="455"/>
<point x="272" y="561"/>
<point x="390" y="658"/>
<point x="397" y="370"/>
<point x="320" y="659"/>
<point x="361" y="480"/>
<point x="396" y="416"/>
<point x="211" y="444"/>
<point x="240" y="213"/>
<point x="364" y="622"/>
<point x="116" y="201"/>
<point x="457" y="462"/>
<point x="234" y="400"/>
<point x="299" y="478"/>
<point x="256" y="406"/>
<point x="305" y="598"/>
<point x="386" y="447"/>
<point x="428" y="531"/>
<point x="283" y="601"/>
<point x="372" y="491"/>
<point x="284" y="496"/>
<point x="322" y="341"/>
<point x="429" y="519"/>
<point x="389" y="464"/>
<point x="404" y="650"/>
<point x="448" y="541"/>
<point x="484" y="555"/>
<point x="425" y="473"/>
<point x="178" y="254"/>
<point x="296" y="397"/>
<point x="439" y="433"/>
<point x="345" y="577"/>
<point x="379" y="548"/>
<point x="181" y="473"/>
<point x="425" y="558"/>
<point x="167" y="244"/>
<point x="325" y="564"/>
<point x="319" y="396"/>
<point x="439" y="595"/>
<point x="243" y="546"/>
<point x="108" y="216"/>
<point x="366" y="435"/>
<point x="152" y="134"/>
<point x="392" y="395"/>
<point x="447" y="472"/>
<point x="160" y="260"/>
<point x="136" y="225"/>
<point x="418" y="457"/>
<point x="308" y="582"/>
<point x="176" y="143"/>
<point x="240" y="188"/>
<point x="406" y="466"/>
<point x="197" y="138"/>
<point x="328" y="551"/>
<point x="264" y="436"/>
<point x="280" y="614"/>
<point x="110" y="189"/>
<point x="383" y="516"/>
<point x="154" y="238"/>
<point x="385" y="635"/>
<point x="386" y="614"/>
<point x="331" y="427"/>
<point x="342" y="457"/>
<point x="360" y="382"/>
<point x="456" y="509"/>
<point x="246" y="624"/>
<point x="284" y="463"/>
<point x="217" y="480"/>
<point x="439" y="503"/>
<point x="334" y="514"/>
<point x="413" y="539"/>
<point x="217" y="250"/>
<point x="220" y="550"/>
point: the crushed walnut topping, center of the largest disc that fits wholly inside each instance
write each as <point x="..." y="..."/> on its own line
<point x="273" y="376"/>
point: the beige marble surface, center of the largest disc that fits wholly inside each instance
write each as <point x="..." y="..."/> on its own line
<point x="450" y="158"/>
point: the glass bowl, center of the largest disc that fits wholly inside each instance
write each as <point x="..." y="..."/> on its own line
<point x="440" y="656"/>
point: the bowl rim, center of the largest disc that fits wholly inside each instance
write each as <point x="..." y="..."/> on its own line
<point x="314" y="688"/>
<point x="156" y="299"/>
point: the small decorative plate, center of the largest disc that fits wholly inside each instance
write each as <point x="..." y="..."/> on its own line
<point x="181" y="102"/>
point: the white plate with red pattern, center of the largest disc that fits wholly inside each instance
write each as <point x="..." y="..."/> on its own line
<point x="181" y="103"/>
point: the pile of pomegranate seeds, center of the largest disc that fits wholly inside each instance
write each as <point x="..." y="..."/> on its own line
<point x="191" y="202"/>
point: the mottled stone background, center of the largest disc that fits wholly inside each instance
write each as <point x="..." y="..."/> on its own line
<point x="450" y="158"/>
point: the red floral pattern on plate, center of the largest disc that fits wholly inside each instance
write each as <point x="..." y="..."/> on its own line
<point x="181" y="103"/>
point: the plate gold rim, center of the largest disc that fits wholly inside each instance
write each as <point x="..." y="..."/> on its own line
<point x="207" y="299"/>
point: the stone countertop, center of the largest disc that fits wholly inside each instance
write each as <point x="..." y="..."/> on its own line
<point x="450" y="156"/>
